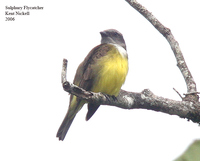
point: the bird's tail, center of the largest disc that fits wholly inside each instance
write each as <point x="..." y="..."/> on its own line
<point x="64" y="127"/>
<point x="74" y="107"/>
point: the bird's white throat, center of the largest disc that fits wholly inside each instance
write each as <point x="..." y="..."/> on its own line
<point x="121" y="50"/>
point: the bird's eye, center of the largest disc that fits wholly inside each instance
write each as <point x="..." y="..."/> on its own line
<point x="115" y="34"/>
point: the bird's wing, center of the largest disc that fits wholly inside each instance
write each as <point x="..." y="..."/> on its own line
<point x="85" y="72"/>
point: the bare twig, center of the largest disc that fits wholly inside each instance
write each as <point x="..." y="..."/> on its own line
<point x="188" y="108"/>
<point x="131" y="100"/>
<point x="191" y="85"/>
<point x="64" y="71"/>
<point x="177" y="93"/>
<point x="71" y="88"/>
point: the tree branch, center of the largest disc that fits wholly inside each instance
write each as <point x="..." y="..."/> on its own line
<point x="166" y="32"/>
<point x="131" y="100"/>
<point x="188" y="108"/>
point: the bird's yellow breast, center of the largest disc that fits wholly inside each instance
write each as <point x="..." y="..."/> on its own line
<point x="111" y="71"/>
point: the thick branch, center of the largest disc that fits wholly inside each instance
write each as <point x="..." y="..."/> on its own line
<point x="191" y="85"/>
<point x="188" y="108"/>
<point x="130" y="100"/>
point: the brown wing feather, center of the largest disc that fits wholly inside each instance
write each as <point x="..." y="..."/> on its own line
<point x="84" y="76"/>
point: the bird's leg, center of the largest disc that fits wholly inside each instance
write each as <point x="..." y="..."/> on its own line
<point x="109" y="97"/>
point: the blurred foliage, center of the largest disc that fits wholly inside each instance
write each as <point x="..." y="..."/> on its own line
<point x="192" y="153"/>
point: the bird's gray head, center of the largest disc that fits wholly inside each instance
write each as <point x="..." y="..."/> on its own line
<point x="112" y="36"/>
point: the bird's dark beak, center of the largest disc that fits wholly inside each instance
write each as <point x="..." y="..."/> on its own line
<point x="103" y="34"/>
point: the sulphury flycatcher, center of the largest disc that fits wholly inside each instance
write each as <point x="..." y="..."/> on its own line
<point x="103" y="70"/>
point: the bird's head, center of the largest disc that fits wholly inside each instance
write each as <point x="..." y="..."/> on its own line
<point x="112" y="36"/>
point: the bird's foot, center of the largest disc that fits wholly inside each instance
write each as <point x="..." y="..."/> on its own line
<point x="110" y="97"/>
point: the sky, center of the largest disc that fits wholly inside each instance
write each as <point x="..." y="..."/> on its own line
<point x="33" y="103"/>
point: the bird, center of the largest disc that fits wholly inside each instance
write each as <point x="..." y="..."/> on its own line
<point x="103" y="70"/>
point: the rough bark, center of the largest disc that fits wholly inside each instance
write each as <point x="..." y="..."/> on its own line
<point x="131" y="100"/>
<point x="166" y="32"/>
<point x="188" y="108"/>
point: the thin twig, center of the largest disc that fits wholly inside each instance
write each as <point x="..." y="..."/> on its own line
<point x="64" y="71"/>
<point x="177" y="93"/>
<point x="191" y="85"/>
